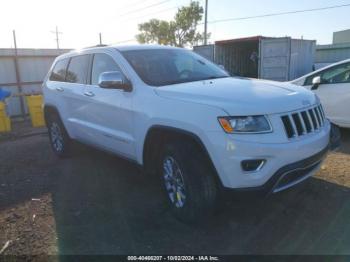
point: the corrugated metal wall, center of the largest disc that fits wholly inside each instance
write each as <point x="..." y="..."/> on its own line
<point x="236" y="58"/>
<point x="301" y="58"/>
<point x="332" y="53"/>
<point x="206" y="51"/>
<point x="275" y="58"/>
<point x="33" y="65"/>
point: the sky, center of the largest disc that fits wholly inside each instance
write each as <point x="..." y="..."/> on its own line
<point x="81" y="21"/>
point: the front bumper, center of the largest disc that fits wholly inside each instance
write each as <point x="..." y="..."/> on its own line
<point x="286" y="163"/>
<point x="291" y="174"/>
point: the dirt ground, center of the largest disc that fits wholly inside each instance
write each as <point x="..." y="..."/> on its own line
<point x="95" y="203"/>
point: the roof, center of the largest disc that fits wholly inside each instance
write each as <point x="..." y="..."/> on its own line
<point x="244" y="39"/>
<point x="141" y="47"/>
<point x="252" y="38"/>
<point x="128" y="47"/>
<point x="333" y="46"/>
<point x="118" y="47"/>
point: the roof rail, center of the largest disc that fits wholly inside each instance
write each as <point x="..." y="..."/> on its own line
<point x="94" y="46"/>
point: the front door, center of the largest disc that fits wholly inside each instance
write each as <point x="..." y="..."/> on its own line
<point x="110" y="118"/>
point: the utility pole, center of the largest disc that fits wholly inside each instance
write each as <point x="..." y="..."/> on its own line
<point x="205" y="22"/>
<point x="100" y="38"/>
<point x="18" y="76"/>
<point x="56" y="32"/>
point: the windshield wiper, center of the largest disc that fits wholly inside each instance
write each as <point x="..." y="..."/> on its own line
<point x="215" y="77"/>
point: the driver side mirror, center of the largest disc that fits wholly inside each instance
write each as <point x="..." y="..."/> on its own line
<point x="316" y="81"/>
<point x="114" y="80"/>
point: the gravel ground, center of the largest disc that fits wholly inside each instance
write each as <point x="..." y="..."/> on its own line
<point x="95" y="203"/>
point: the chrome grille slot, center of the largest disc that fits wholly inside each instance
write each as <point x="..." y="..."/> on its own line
<point x="297" y="123"/>
<point x="317" y="117"/>
<point x="306" y="121"/>
<point x="303" y="122"/>
<point x="313" y="118"/>
<point x="288" y="126"/>
<point x="321" y="114"/>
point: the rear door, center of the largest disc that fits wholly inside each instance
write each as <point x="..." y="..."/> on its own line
<point x="53" y="93"/>
<point x="110" y="112"/>
<point x="73" y="97"/>
<point x="334" y="92"/>
<point x="275" y="59"/>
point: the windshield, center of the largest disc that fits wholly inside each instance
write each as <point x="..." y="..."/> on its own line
<point x="158" y="67"/>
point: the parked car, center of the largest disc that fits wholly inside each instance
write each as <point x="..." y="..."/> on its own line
<point x="332" y="85"/>
<point x="183" y="118"/>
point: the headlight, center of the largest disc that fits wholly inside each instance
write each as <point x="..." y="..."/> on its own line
<point x="245" y="124"/>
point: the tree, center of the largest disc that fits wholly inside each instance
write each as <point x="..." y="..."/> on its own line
<point x="155" y="31"/>
<point x="180" y="32"/>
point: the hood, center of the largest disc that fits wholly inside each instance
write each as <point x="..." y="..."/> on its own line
<point x="242" y="96"/>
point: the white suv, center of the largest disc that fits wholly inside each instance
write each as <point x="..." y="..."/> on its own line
<point x="185" y="119"/>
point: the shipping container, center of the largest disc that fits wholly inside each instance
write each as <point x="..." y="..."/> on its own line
<point x="279" y="59"/>
<point x="207" y="51"/>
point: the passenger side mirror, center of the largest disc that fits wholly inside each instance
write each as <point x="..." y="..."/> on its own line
<point x="114" y="80"/>
<point x="316" y="81"/>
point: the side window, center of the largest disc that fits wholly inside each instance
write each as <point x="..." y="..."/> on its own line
<point x="334" y="75"/>
<point x="59" y="71"/>
<point x="78" y="69"/>
<point x="102" y="63"/>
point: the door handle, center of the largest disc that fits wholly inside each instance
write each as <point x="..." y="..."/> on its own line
<point x="90" y="94"/>
<point x="60" y="89"/>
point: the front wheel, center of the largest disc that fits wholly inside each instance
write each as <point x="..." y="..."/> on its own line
<point x="59" y="139"/>
<point x="189" y="182"/>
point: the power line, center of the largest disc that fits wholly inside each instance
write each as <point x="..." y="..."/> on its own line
<point x="143" y="8"/>
<point x="154" y="13"/>
<point x="132" y="4"/>
<point x="276" y="14"/>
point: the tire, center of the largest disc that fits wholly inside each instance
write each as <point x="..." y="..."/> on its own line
<point x="59" y="138"/>
<point x="335" y="138"/>
<point x="184" y="168"/>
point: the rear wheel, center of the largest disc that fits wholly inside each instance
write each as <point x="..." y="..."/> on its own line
<point x="188" y="180"/>
<point x="59" y="139"/>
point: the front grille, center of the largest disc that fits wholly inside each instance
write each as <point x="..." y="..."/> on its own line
<point x="303" y="122"/>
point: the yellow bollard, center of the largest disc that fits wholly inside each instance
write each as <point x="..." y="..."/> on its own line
<point x="5" y="121"/>
<point x="35" y="105"/>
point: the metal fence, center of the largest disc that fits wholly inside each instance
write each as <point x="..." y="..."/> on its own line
<point x="22" y="72"/>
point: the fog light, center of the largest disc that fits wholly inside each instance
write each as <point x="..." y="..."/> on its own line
<point x="252" y="164"/>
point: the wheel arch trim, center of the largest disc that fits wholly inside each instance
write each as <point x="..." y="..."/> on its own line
<point x="176" y="130"/>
